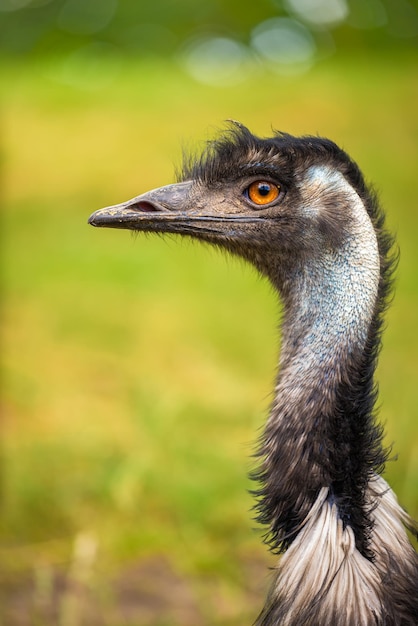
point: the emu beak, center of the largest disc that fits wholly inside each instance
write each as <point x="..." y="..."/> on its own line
<point x="155" y="210"/>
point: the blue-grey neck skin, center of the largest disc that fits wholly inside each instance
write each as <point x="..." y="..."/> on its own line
<point x="330" y="299"/>
<point x="333" y="294"/>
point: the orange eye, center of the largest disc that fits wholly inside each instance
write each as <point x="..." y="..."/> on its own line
<point x="262" y="192"/>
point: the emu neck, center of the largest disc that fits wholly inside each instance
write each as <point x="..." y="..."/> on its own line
<point x="320" y="433"/>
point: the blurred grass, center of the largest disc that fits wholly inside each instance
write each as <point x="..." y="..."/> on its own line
<point x="136" y="371"/>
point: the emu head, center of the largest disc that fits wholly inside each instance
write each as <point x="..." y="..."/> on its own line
<point x="276" y="202"/>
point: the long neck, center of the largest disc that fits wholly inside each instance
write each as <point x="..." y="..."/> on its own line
<point x="347" y="561"/>
<point x="320" y="433"/>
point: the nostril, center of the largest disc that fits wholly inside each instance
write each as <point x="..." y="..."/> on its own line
<point x="145" y="207"/>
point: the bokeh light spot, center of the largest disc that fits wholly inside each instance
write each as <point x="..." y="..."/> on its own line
<point x="319" y="12"/>
<point x="217" y="60"/>
<point x="285" y="44"/>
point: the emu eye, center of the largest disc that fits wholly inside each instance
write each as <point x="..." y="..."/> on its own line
<point x="262" y="192"/>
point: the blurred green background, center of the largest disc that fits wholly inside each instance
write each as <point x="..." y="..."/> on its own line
<point x="137" y="372"/>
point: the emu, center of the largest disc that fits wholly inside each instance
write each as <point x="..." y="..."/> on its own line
<point x="299" y="210"/>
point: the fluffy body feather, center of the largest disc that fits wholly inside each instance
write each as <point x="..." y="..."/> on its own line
<point x="322" y="243"/>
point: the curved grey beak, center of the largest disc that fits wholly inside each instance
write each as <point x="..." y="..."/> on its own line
<point x="150" y="211"/>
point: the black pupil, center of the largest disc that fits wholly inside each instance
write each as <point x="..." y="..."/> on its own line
<point x="264" y="189"/>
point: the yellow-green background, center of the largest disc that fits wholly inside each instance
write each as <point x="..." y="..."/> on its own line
<point x="137" y="371"/>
